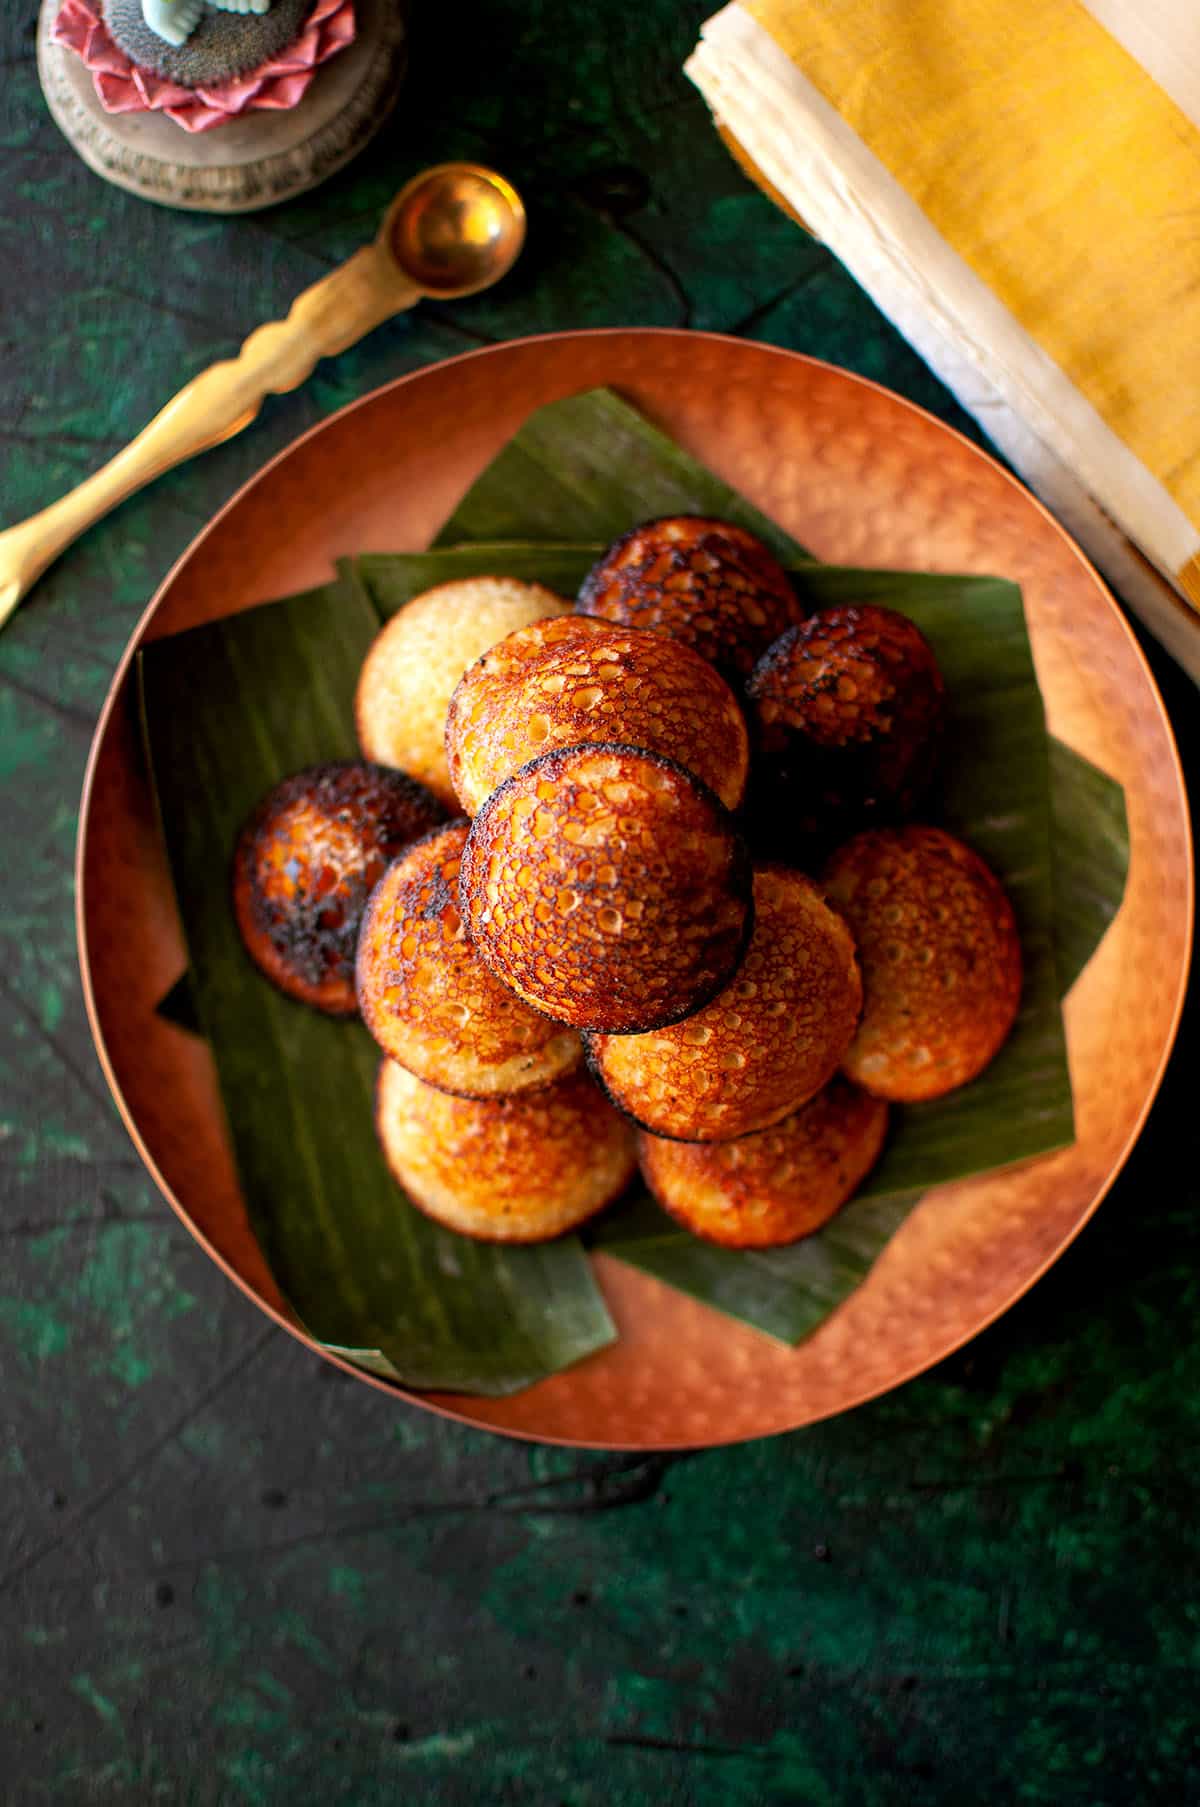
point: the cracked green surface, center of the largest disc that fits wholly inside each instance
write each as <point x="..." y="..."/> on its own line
<point x="228" y="1576"/>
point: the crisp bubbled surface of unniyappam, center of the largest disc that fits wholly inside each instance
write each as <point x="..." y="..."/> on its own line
<point x="767" y="1042"/>
<point x="427" y="997"/>
<point x="608" y="887"/>
<point x="777" y="1186"/>
<point x="415" y="661"/>
<point x="846" y="711"/>
<point x="561" y="682"/>
<point x="305" y="864"/>
<point x="711" y="585"/>
<point x="519" y="1169"/>
<point x="940" y="956"/>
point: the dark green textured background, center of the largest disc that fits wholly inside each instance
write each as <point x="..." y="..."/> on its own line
<point x="228" y="1575"/>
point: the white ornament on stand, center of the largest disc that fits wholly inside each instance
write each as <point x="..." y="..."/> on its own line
<point x="175" y="20"/>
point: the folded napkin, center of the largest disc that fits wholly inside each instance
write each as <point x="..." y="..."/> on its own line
<point x="1018" y="188"/>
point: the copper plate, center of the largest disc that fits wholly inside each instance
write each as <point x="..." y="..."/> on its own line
<point x="860" y="477"/>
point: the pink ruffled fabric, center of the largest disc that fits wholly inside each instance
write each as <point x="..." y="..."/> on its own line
<point x="125" y="87"/>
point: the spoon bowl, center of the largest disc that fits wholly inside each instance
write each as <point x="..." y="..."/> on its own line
<point x="455" y="229"/>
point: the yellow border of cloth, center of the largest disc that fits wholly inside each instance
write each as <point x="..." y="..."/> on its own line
<point x="1056" y="168"/>
<point x="1189" y="580"/>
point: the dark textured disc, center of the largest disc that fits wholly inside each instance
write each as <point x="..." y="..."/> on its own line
<point x="223" y="44"/>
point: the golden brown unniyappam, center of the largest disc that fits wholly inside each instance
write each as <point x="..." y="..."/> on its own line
<point x="518" y="1169"/>
<point x="608" y="887"/>
<point x="417" y="658"/>
<point x="558" y="683"/>
<point x="846" y="712"/>
<point x="776" y="1186"/>
<point x="940" y="956"/>
<point x="706" y="583"/>
<point x="427" y="997"/>
<point x="766" y="1043"/>
<point x="306" y="862"/>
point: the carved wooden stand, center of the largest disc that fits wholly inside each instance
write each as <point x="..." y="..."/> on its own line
<point x="252" y="162"/>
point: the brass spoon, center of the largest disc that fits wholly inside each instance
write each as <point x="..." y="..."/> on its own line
<point x="451" y="231"/>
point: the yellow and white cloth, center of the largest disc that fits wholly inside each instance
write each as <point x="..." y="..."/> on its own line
<point x="1018" y="188"/>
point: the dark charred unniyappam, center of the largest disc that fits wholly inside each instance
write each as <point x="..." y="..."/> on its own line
<point x="940" y="956"/>
<point x="429" y="1000"/>
<point x="777" y="1186"/>
<point x="706" y="583"/>
<point x="846" y="711"/>
<point x="608" y="887"/>
<point x="305" y="864"/>
<point x="517" y="1169"/>
<point x="558" y="683"/>
<point x="414" y="662"/>
<point x="766" y="1043"/>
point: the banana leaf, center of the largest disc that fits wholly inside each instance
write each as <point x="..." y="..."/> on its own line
<point x="1050" y="824"/>
<point x="583" y="471"/>
<point x="178" y="1005"/>
<point x="589" y="468"/>
<point x="229" y="710"/>
<point x="1091" y="857"/>
<point x="785" y="1293"/>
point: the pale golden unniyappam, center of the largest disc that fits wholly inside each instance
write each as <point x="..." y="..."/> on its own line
<point x="517" y="1169"/>
<point x="414" y="662"/>
<point x="777" y="1186"/>
<point x="940" y="956"/>
<point x="767" y="1042"/>
<point x="427" y="997"/>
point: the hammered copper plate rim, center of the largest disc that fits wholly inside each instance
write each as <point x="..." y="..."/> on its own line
<point x="439" y="1405"/>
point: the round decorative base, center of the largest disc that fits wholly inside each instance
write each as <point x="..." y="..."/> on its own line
<point x="254" y="161"/>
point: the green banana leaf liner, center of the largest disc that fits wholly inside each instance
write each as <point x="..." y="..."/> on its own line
<point x="232" y="708"/>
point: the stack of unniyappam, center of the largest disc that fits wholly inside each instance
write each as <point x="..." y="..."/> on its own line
<point x="681" y="919"/>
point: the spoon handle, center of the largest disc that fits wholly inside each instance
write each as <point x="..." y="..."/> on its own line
<point x="215" y="405"/>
